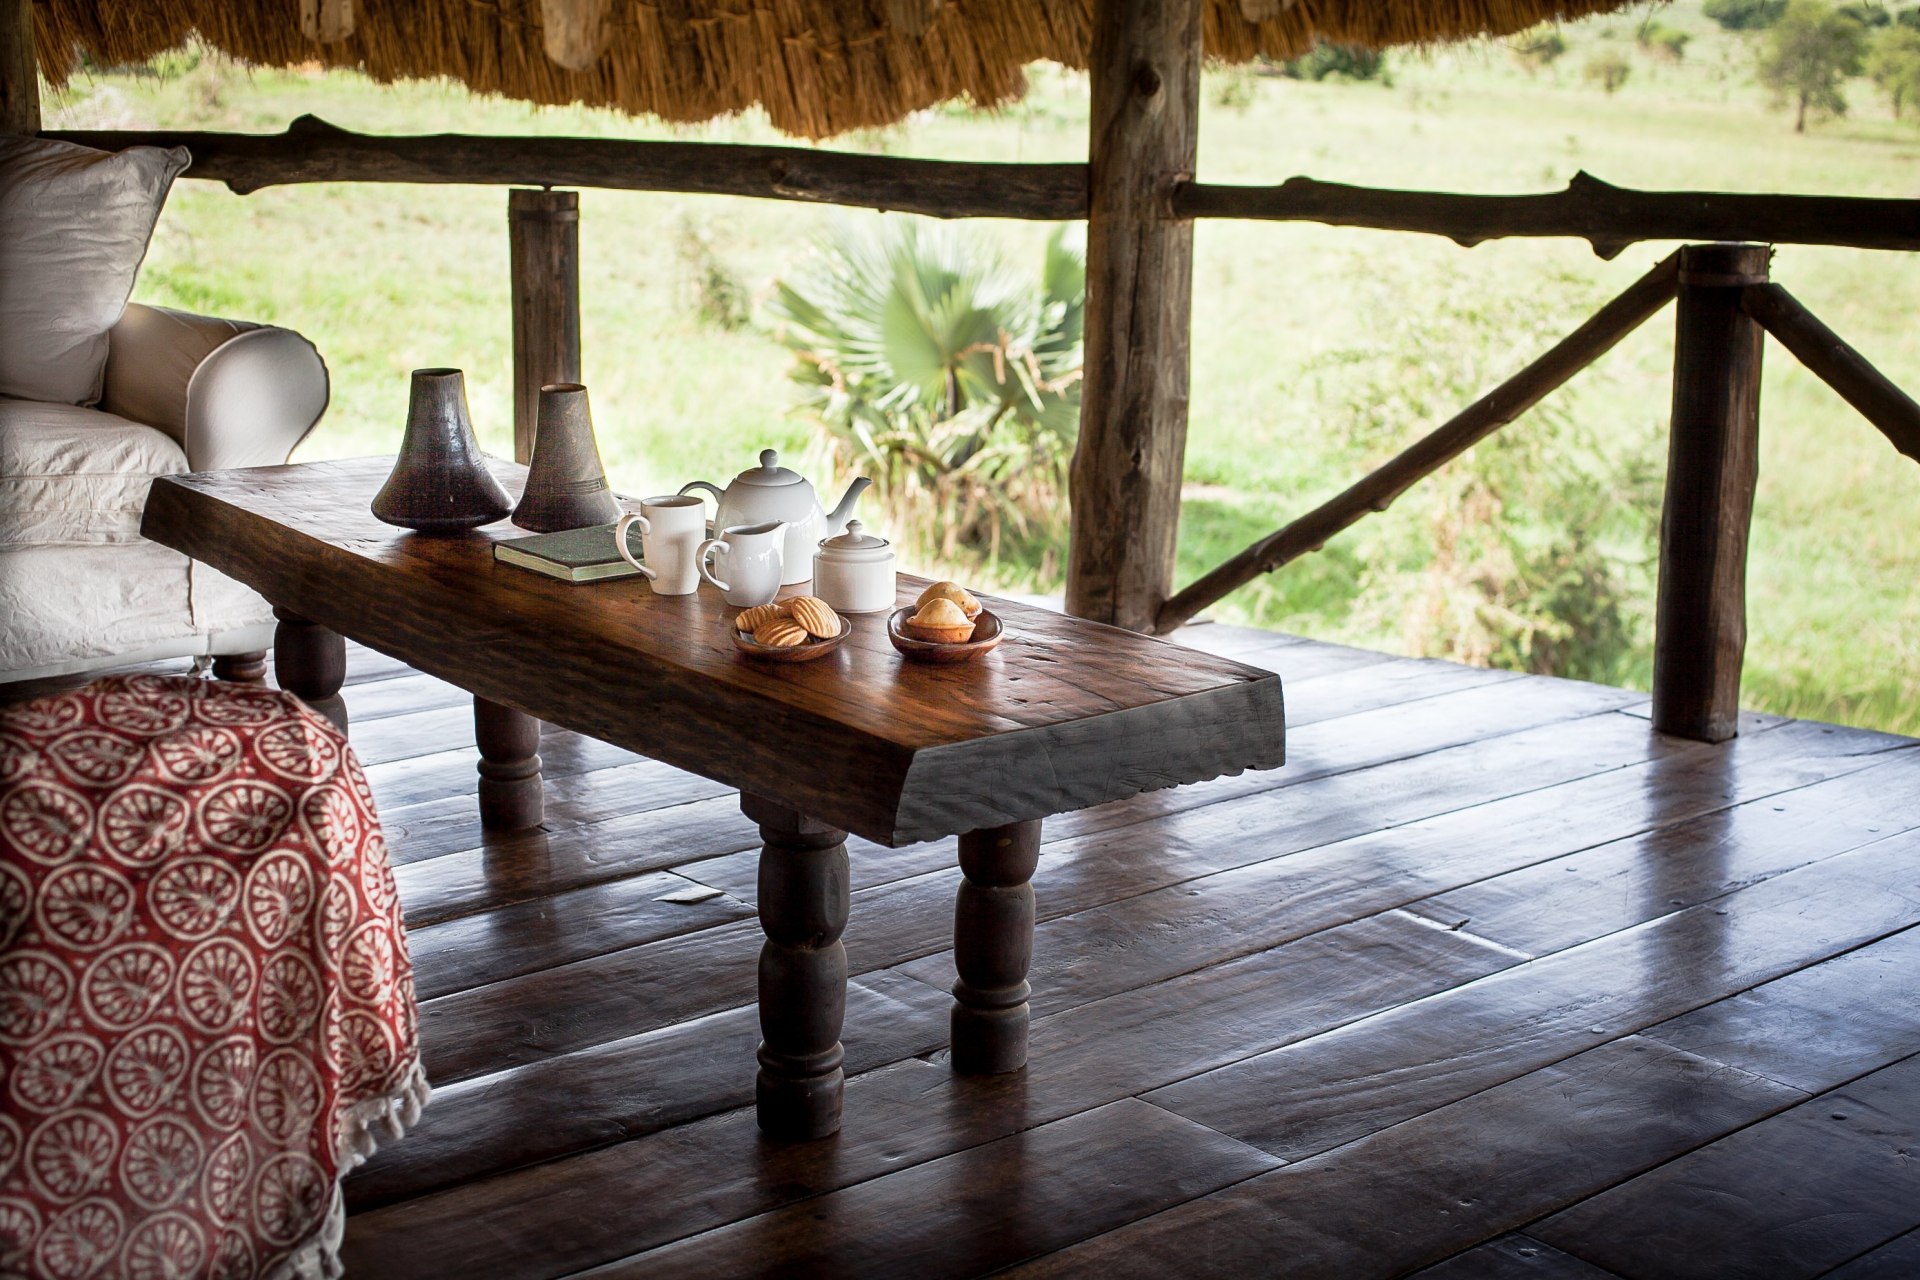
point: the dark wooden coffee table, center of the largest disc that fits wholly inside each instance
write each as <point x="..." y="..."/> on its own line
<point x="1065" y="714"/>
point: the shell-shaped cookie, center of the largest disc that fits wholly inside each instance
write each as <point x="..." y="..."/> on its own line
<point x="816" y="615"/>
<point x="753" y="619"/>
<point x="780" y="633"/>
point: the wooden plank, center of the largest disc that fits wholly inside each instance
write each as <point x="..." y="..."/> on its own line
<point x="907" y="1113"/>
<point x="1307" y="1097"/>
<point x="415" y="733"/>
<point x="634" y="1085"/>
<point x="1713" y="462"/>
<point x="1792" y="1196"/>
<point x="1227" y="640"/>
<point x="1817" y="1028"/>
<point x="1446" y="1180"/>
<point x="1040" y="1190"/>
<point x="1066" y="713"/>
<point x="401" y="695"/>
<point x="513" y="1022"/>
<point x="311" y="150"/>
<point x="1612" y="886"/>
<point x="1895" y="1260"/>
<point x="19" y="70"/>
<point x="451" y="773"/>
<point x="527" y="937"/>
<point x="1609" y="217"/>
<point x="1514" y="1257"/>
<point x="1143" y="136"/>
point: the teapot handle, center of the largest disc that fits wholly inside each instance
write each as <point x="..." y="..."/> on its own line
<point x="717" y="496"/>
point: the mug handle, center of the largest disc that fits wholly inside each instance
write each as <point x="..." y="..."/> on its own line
<point x="700" y="558"/>
<point x="627" y="521"/>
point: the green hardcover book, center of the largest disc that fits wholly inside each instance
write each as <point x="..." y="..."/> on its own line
<point x="572" y="555"/>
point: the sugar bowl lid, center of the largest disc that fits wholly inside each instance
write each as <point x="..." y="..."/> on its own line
<point x="854" y="541"/>
<point x="769" y="474"/>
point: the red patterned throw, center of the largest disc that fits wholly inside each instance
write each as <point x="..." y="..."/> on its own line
<point x="206" y="1006"/>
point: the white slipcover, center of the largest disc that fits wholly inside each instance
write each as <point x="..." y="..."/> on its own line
<point x="71" y="476"/>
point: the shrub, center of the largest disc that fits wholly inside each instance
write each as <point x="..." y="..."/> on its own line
<point x="1665" y="42"/>
<point x="1347" y="61"/>
<point x="944" y="375"/>
<point x="1745" y="15"/>
<point x="1609" y="69"/>
<point x="1538" y="47"/>
<point x="716" y="297"/>
<point x="1233" y="88"/>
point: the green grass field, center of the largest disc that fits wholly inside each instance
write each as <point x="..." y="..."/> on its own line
<point x="1317" y="351"/>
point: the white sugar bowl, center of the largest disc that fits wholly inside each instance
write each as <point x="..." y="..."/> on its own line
<point x="854" y="571"/>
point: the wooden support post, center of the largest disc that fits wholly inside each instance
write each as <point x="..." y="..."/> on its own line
<point x="310" y="662"/>
<point x="241" y="668"/>
<point x="1145" y="67"/>
<point x="543" y="234"/>
<point x="1700" y="629"/>
<point x="19" y="70"/>
<point x="993" y="948"/>
<point x="804" y="892"/>
<point x="512" y="797"/>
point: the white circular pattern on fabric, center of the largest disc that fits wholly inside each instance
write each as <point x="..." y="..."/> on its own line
<point x="221" y="1079"/>
<point x="55" y="1072"/>
<point x="376" y="876"/>
<point x="161" y="1162"/>
<point x="17" y="759"/>
<point x="279" y="897"/>
<point x="288" y="1197"/>
<point x="16" y="899"/>
<point x="295" y="751"/>
<point x="79" y="1243"/>
<point x="122" y="986"/>
<point x="145" y="713"/>
<point x="141" y="824"/>
<point x="243" y="816"/>
<point x="46" y="821"/>
<point x="368" y="964"/>
<point x="226" y="1182"/>
<point x="46" y="716"/>
<point x="168" y="1247"/>
<point x="35" y="989"/>
<point x="69" y="1154"/>
<point x="198" y="753"/>
<point x="216" y="983"/>
<point x="236" y="706"/>
<point x="337" y="909"/>
<point x="84" y="906"/>
<point x="360" y="1049"/>
<point x="19" y="1228"/>
<point x="193" y="897"/>
<point x="332" y="821"/>
<point x="286" y="1096"/>
<point x="289" y="997"/>
<point x="96" y="757"/>
<point x="145" y="1069"/>
<point x="232" y="1258"/>
<point x="12" y="1138"/>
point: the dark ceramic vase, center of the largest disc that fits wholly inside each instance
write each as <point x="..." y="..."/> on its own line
<point x="440" y="481"/>
<point x="566" y="482"/>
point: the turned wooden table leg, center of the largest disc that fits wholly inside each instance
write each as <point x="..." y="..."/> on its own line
<point x="310" y="662"/>
<point x="511" y="795"/>
<point x="993" y="948"/>
<point x="803" y="971"/>
<point x="241" y="668"/>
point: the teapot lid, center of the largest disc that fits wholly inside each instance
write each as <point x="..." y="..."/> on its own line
<point x="856" y="538"/>
<point x="769" y="474"/>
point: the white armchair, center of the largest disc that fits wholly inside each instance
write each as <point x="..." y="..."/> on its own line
<point x="79" y="588"/>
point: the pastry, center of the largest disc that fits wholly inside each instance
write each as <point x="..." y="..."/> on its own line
<point x="780" y="633"/>
<point x="815" y="615"/>
<point x="940" y="620"/>
<point x="950" y="591"/>
<point x="753" y="619"/>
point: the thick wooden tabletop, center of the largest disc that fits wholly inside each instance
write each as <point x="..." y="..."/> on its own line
<point x="1064" y="714"/>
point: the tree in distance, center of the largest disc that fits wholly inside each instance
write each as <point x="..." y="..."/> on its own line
<point x="1809" y="54"/>
<point x="1609" y="69"/>
<point x="1894" y="65"/>
<point x="1744" y="15"/>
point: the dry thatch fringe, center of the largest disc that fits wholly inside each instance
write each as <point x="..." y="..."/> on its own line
<point x="818" y="67"/>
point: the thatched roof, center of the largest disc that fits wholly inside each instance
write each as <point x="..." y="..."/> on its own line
<point x="818" y="67"/>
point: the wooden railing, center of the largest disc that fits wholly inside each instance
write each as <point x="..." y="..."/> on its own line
<point x="1725" y="302"/>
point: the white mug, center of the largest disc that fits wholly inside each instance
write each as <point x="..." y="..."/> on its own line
<point x="670" y="530"/>
<point x="751" y="555"/>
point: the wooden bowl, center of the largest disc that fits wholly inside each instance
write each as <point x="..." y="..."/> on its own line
<point x="987" y="633"/>
<point x="807" y="652"/>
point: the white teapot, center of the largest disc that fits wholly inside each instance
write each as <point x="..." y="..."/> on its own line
<point x="772" y="492"/>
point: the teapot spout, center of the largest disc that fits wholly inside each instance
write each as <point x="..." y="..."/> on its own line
<point x="838" y="517"/>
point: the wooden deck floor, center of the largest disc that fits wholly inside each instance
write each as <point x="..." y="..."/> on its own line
<point x="1490" y="980"/>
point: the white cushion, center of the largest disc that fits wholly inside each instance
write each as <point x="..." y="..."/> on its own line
<point x="62" y="603"/>
<point x="74" y="225"/>
<point x="70" y="475"/>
